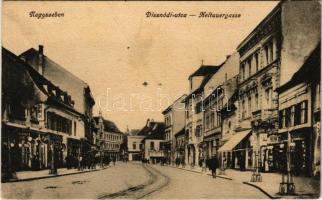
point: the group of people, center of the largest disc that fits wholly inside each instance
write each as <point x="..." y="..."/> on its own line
<point x="88" y="161"/>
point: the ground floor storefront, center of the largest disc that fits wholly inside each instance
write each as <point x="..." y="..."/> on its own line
<point x="25" y="149"/>
<point x="302" y="151"/>
<point x="237" y="152"/>
<point x="135" y="156"/>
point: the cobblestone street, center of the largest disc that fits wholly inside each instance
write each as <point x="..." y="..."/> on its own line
<point x="131" y="180"/>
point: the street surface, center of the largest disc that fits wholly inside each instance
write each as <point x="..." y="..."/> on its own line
<point x="132" y="181"/>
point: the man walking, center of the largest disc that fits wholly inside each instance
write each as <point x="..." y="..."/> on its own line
<point x="213" y="166"/>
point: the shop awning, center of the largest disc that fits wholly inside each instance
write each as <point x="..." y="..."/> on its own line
<point x="234" y="141"/>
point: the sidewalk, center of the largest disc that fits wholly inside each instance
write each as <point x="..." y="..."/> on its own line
<point x="33" y="175"/>
<point x="305" y="187"/>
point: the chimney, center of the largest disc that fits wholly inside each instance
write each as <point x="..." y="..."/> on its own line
<point x="41" y="60"/>
<point x="148" y="122"/>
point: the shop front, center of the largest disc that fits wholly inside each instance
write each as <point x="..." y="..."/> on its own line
<point x="301" y="152"/>
<point x="237" y="152"/>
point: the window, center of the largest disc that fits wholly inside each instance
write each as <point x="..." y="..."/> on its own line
<point x="229" y="125"/>
<point x="256" y="62"/>
<point x="243" y="71"/>
<point x="198" y="130"/>
<point x="249" y="67"/>
<point x="152" y="145"/>
<point x="141" y="146"/>
<point x="243" y="109"/>
<point x="134" y="145"/>
<point x="256" y="102"/>
<point x="249" y="106"/>
<point x="266" y="54"/>
<point x="268" y="97"/>
<point x="269" y="53"/>
<point x="288" y="117"/>
<point x="304" y="112"/>
<point x="212" y="119"/>
<point x="292" y="116"/>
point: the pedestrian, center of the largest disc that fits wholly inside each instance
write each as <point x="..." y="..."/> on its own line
<point x="213" y="165"/>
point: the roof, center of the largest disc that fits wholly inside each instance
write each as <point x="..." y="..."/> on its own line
<point x="169" y="107"/>
<point x="58" y="76"/>
<point x="153" y="130"/>
<point x="180" y="133"/>
<point x="204" y="70"/>
<point x="134" y="132"/>
<point x="109" y="126"/>
<point x="207" y="71"/>
<point x="264" y="21"/>
<point x="54" y="95"/>
<point x="310" y="71"/>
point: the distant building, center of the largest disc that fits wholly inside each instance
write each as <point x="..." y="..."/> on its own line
<point x="108" y="138"/>
<point x="153" y="140"/>
<point x="174" y="120"/>
<point x="181" y="140"/>
<point x="221" y="86"/>
<point x="194" y="112"/>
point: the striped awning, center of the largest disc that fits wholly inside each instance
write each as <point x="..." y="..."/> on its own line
<point x="234" y="141"/>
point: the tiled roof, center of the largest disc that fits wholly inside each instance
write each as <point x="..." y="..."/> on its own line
<point x="154" y="130"/>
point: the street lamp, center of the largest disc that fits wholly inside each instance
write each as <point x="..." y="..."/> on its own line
<point x="256" y="176"/>
<point x="288" y="187"/>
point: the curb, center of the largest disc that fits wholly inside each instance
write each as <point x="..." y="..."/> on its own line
<point x="259" y="188"/>
<point x="52" y="176"/>
<point x="219" y="176"/>
<point x="223" y="177"/>
<point x="184" y="169"/>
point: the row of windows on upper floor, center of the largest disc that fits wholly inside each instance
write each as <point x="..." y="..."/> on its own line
<point x="54" y="121"/>
<point x="111" y="146"/>
<point x="111" y="137"/>
<point x="252" y="103"/>
<point x="258" y="60"/>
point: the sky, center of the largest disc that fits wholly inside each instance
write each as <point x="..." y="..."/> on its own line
<point x="115" y="48"/>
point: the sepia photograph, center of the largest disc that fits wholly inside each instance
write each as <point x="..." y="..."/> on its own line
<point x="160" y="99"/>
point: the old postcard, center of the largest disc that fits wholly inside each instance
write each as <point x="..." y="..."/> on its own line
<point x="160" y="99"/>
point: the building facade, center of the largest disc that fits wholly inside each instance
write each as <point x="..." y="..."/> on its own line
<point x="58" y="75"/>
<point x="40" y="126"/>
<point x="174" y="120"/>
<point x="265" y="59"/>
<point x="108" y="138"/>
<point x="194" y="113"/>
<point x="299" y="110"/>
